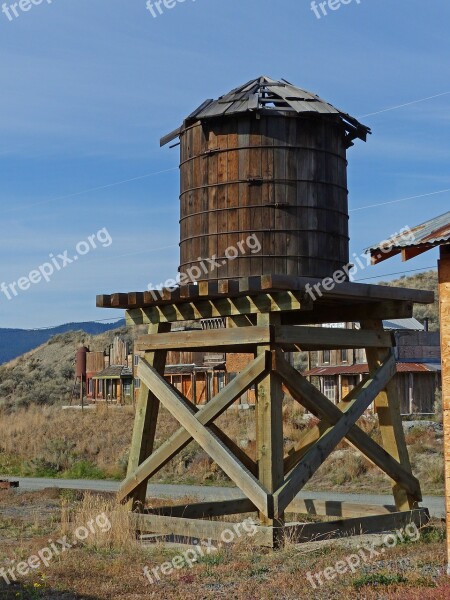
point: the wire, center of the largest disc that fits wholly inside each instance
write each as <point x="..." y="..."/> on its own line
<point x="94" y="189"/>
<point x="118" y="320"/>
<point x="378" y="112"/>
<point x="401" y="200"/>
<point x="398" y="273"/>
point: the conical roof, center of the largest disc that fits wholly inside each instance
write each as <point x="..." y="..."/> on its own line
<point x="269" y="96"/>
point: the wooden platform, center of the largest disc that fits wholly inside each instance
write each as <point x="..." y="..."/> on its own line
<point x="231" y="289"/>
<point x="262" y="314"/>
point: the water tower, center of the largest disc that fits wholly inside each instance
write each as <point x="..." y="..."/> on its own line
<point x="268" y="160"/>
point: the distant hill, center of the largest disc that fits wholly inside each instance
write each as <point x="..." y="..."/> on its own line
<point x="15" y="342"/>
<point x="427" y="280"/>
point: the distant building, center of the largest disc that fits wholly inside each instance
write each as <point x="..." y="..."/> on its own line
<point x="337" y="372"/>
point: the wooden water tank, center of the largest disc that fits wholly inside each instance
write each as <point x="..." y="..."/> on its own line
<point x="264" y="184"/>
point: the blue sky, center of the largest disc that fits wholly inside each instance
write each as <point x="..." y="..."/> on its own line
<point x="89" y="87"/>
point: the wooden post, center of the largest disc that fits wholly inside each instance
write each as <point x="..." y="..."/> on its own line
<point x="269" y="431"/>
<point x="444" y="309"/>
<point x="147" y="410"/>
<point x="387" y="408"/>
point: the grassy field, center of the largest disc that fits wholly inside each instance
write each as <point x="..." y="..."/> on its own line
<point x="94" y="445"/>
<point x="110" y="564"/>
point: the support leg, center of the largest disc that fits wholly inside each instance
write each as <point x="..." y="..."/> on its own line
<point x="144" y="431"/>
<point x="387" y="408"/>
<point x="269" y="431"/>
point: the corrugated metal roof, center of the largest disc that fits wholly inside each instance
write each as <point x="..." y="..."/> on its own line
<point x="266" y="95"/>
<point x="363" y="369"/>
<point x="401" y="324"/>
<point x="431" y="233"/>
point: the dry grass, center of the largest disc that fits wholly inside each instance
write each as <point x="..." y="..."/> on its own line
<point x="110" y="566"/>
<point x="95" y="444"/>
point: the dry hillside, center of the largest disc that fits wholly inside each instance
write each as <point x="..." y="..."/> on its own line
<point x="46" y="374"/>
<point x="422" y="281"/>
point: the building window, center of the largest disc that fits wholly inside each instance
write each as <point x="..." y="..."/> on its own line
<point x="326" y="357"/>
<point x="100" y="386"/>
<point x="127" y="388"/>
<point x="329" y="388"/>
<point x="90" y="387"/>
<point x="135" y="360"/>
<point x="344" y="355"/>
<point x="137" y="383"/>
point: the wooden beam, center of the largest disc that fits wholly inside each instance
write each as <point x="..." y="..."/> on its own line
<point x="387" y="407"/>
<point x="444" y="310"/>
<point x="202" y="510"/>
<point x="269" y="430"/>
<point x="304" y="506"/>
<point x="318" y="404"/>
<point x="206" y="341"/>
<point x="312" y="435"/>
<point x="350" y="311"/>
<point x="198" y="529"/>
<point x="331" y="338"/>
<point x="318" y="453"/>
<point x="408" y="253"/>
<point x="307" y="532"/>
<point x="147" y="409"/>
<point x="336" y="508"/>
<point x="180" y="439"/>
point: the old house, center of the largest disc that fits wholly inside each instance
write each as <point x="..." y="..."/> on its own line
<point x="417" y="353"/>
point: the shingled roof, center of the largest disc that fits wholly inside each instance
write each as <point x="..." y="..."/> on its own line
<point x="269" y="96"/>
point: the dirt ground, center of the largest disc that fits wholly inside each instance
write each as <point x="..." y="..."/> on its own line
<point x="111" y="565"/>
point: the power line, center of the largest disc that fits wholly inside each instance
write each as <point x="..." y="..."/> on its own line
<point x="400" y="200"/>
<point x="403" y="105"/>
<point x="94" y="189"/>
<point x="117" y="183"/>
<point x="398" y="273"/>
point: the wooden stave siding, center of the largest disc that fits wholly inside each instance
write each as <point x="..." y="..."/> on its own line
<point x="207" y="229"/>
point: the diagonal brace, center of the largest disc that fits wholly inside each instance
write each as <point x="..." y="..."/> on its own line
<point x="316" y="455"/>
<point x="253" y="373"/>
<point x="313" y="400"/>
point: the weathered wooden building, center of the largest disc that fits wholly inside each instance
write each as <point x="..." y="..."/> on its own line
<point x="432" y="234"/>
<point x="417" y="352"/>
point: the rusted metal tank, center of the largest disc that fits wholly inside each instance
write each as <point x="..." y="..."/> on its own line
<point x="80" y="368"/>
<point x="264" y="184"/>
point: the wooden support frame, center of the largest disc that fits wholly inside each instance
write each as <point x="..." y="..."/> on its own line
<point x="322" y="448"/>
<point x="267" y="320"/>
<point x="314" y="401"/>
<point x="176" y="404"/>
<point x="179" y="440"/>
